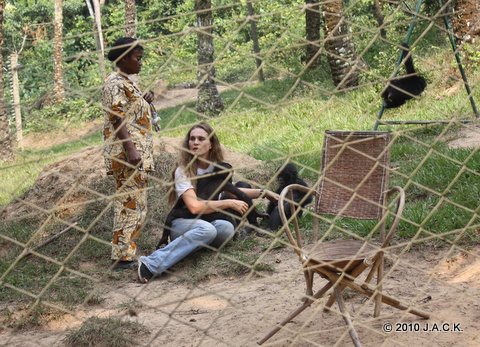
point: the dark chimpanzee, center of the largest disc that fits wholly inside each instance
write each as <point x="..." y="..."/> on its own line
<point x="208" y="187"/>
<point x="221" y="182"/>
<point x="402" y="88"/>
<point x="286" y="176"/>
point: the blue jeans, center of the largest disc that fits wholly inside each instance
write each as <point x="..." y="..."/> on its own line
<point x="188" y="235"/>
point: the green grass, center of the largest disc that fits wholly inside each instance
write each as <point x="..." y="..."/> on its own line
<point x="17" y="177"/>
<point x="237" y="258"/>
<point x="441" y="187"/>
<point x="111" y="332"/>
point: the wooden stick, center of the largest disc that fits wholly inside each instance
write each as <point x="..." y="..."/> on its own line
<point x="346" y="317"/>
<point x="386" y="299"/>
<point x="295" y="313"/>
<point x="47" y="241"/>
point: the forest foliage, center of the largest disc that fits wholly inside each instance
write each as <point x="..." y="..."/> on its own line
<point x="167" y="26"/>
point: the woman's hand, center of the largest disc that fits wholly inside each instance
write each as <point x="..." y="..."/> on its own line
<point x="238" y="205"/>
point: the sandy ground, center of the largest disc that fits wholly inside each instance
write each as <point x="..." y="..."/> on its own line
<point x="469" y="137"/>
<point x="239" y="311"/>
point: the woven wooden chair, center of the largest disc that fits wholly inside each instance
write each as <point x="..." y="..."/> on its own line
<point x="353" y="183"/>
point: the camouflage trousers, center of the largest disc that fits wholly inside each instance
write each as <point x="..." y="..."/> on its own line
<point x="129" y="209"/>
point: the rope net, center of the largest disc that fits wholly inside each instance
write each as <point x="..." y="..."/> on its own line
<point x="56" y="229"/>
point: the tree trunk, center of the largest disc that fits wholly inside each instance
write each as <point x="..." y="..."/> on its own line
<point x="58" y="88"/>
<point x="254" y="36"/>
<point x="312" y="31"/>
<point x="377" y="11"/>
<point x="339" y="46"/>
<point x="130" y="18"/>
<point x="466" y="21"/>
<point x="209" y="101"/>
<point x="6" y="151"/>
<point x="16" y="99"/>
<point x="96" y="14"/>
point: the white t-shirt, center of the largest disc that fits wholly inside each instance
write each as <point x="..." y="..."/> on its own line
<point x="183" y="183"/>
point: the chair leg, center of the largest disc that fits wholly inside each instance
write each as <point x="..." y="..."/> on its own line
<point x="378" y="297"/>
<point x="346" y="317"/>
<point x="295" y="313"/>
<point x="397" y="304"/>
<point x="330" y="301"/>
<point x="309" y="282"/>
<point x="386" y="299"/>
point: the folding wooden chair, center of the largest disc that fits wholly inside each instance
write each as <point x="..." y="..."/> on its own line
<point x="353" y="181"/>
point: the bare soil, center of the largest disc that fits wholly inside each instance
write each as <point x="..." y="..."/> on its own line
<point x="239" y="311"/>
<point x="468" y="137"/>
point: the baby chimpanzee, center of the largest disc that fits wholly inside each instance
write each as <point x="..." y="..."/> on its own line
<point x="221" y="182"/>
<point x="209" y="187"/>
<point x="286" y="176"/>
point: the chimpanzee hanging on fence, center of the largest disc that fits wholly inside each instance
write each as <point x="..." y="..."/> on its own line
<point x="404" y="88"/>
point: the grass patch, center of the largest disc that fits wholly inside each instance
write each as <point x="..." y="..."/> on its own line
<point x="19" y="176"/>
<point x="441" y="193"/>
<point x="31" y="319"/>
<point x="110" y="332"/>
<point x="237" y="258"/>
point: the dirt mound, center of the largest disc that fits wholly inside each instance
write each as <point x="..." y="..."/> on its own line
<point x="469" y="137"/>
<point x="64" y="187"/>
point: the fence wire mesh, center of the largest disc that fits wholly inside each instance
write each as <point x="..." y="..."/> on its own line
<point x="56" y="229"/>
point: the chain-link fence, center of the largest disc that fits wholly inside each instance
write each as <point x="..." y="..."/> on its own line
<point x="270" y="78"/>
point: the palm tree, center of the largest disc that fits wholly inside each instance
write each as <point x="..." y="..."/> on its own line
<point x="466" y="24"/>
<point x="256" y="45"/>
<point x="339" y="45"/>
<point x="94" y="8"/>
<point x="209" y="101"/>
<point x="6" y="152"/>
<point x="58" y="88"/>
<point x="312" y="31"/>
<point x="130" y="18"/>
<point x="377" y="11"/>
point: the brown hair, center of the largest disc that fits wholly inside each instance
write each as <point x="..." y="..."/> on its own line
<point x="188" y="161"/>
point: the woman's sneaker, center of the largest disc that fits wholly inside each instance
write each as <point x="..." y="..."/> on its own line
<point x="144" y="274"/>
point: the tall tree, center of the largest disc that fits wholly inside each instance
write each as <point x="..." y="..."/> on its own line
<point x="209" y="101"/>
<point x="339" y="46"/>
<point x="58" y="88"/>
<point x="466" y="22"/>
<point x="6" y="151"/>
<point x="94" y="8"/>
<point x="254" y="36"/>
<point x="312" y="31"/>
<point x="130" y="18"/>
<point x="377" y="11"/>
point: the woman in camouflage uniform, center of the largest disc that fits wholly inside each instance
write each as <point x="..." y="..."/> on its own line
<point x="128" y="148"/>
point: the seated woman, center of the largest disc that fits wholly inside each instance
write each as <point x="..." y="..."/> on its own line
<point x="201" y="150"/>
